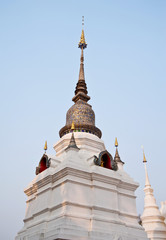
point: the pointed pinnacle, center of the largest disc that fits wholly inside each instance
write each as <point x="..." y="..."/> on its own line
<point x="72" y="143"/>
<point x="116" y="142"/>
<point x="82" y="43"/>
<point x="144" y="158"/>
<point x="117" y="157"/>
<point x="45" y="146"/>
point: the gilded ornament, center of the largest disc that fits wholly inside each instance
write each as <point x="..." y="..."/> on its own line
<point x="45" y="146"/>
<point x="144" y="158"/>
<point x="116" y="142"/>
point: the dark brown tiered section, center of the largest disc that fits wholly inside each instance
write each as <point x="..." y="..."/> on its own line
<point x="81" y="113"/>
<point x="81" y="88"/>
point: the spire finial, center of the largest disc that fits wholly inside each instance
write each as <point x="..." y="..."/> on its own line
<point x="147" y="183"/>
<point x="82" y="43"/>
<point x="144" y="158"/>
<point x="45" y="146"/>
<point x="82" y="22"/>
<point x="116" y="142"/>
<point x="117" y="157"/>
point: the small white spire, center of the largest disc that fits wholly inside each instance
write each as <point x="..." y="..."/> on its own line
<point x="147" y="182"/>
<point x="152" y="220"/>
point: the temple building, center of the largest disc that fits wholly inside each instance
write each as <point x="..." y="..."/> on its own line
<point x="82" y="192"/>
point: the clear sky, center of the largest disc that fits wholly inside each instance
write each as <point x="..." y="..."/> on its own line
<point x="126" y="77"/>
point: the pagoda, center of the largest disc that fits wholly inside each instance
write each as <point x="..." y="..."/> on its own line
<point x="82" y="192"/>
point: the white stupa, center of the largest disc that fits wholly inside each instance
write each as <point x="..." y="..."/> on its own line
<point x="152" y="219"/>
<point x="81" y="193"/>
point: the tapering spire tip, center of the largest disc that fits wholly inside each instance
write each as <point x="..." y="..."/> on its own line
<point x="116" y="142"/>
<point x="45" y="146"/>
<point x="82" y="43"/>
<point x="144" y="158"/>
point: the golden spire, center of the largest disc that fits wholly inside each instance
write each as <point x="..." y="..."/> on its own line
<point x="116" y="142"/>
<point x="144" y="158"/>
<point x="45" y="146"/>
<point x="117" y="157"/>
<point x="82" y="40"/>
<point x="147" y="183"/>
<point x="81" y="88"/>
<point x="72" y="126"/>
<point x="82" y="44"/>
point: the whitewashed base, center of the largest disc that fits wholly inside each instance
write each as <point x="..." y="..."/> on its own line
<point x="77" y="200"/>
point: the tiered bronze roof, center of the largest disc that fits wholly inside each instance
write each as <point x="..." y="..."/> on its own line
<point x="81" y="113"/>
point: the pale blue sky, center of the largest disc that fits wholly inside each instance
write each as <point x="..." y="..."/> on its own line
<point x="125" y="74"/>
